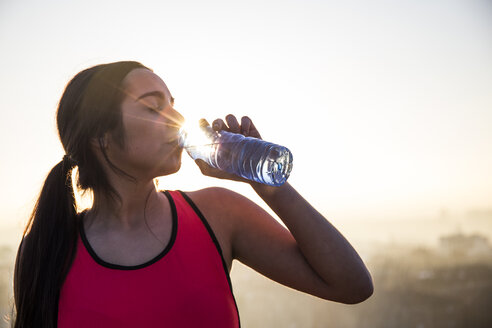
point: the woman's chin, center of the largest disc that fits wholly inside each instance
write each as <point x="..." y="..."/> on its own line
<point x="169" y="169"/>
<point x="178" y="166"/>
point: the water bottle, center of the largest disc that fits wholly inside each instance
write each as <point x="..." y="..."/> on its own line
<point x="248" y="157"/>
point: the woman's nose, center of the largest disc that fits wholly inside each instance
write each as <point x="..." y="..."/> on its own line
<point x="179" y="119"/>
<point x="172" y="118"/>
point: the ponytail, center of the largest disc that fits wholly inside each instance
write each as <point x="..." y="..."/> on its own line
<point x="46" y="251"/>
<point x="88" y="109"/>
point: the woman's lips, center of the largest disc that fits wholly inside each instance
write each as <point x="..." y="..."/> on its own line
<point x="173" y="140"/>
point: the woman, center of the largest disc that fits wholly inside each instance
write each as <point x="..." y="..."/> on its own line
<point x="144" y="258"/>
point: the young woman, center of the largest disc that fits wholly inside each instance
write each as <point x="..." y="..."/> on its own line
<point x="144" y="258"/>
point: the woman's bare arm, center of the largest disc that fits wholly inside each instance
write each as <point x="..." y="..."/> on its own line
<point x="311" y="256"/>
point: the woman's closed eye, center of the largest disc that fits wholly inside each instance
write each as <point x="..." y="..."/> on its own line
<point x="168" y="118"/>
<point x="157" y="109"/>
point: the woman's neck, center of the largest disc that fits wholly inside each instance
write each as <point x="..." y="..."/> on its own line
<point x="126" y="210"/>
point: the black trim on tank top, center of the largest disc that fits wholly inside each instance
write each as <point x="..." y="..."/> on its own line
<point x="217" y="245"/>
<point x="139" y="266"/>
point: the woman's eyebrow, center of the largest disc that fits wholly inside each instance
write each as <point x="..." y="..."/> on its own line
<point x="157" y="94"/>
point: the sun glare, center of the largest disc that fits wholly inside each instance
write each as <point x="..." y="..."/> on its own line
<point x="194" y="135"/>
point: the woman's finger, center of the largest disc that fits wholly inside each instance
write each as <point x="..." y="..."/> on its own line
<point x="249" y="128"/>
<point x="233" y="123"/>
<point x="219" y="125"/>
<point x="245" y="125"/>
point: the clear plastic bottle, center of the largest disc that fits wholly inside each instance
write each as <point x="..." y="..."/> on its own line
<point x="248" y="157"/>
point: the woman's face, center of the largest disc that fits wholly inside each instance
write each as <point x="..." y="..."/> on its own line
<point x="150" y="126"/>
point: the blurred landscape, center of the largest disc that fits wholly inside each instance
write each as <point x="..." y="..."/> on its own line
<point x="433" y="272"/>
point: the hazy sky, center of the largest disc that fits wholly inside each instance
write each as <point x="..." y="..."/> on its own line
<point x="386" y="105"/>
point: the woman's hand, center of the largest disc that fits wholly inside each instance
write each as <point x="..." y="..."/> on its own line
<point x="246" y="128"/>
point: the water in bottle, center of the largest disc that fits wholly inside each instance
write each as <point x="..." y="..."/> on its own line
<point x="248" y="157"/>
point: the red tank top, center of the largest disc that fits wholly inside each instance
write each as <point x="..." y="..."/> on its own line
<point x="186" y="285"/>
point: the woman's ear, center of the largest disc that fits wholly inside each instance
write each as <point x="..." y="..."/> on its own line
<point x="101" y="142"/>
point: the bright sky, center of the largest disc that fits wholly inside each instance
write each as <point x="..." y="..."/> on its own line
<point x="386" y="105"/>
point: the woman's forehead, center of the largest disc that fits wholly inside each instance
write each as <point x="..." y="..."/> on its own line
<point x="142" y="80"/>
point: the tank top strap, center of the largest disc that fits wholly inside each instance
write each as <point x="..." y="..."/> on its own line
<point x="188" y="209"/>
<point x="190" y="217"/>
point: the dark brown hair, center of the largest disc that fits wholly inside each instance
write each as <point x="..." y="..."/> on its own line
<point x="88" y="109"/>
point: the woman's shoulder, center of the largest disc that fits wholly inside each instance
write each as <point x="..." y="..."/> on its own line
<point x="223" y="206"/>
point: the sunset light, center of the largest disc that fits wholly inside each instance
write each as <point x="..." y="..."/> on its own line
<point x="386" y="108"/>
